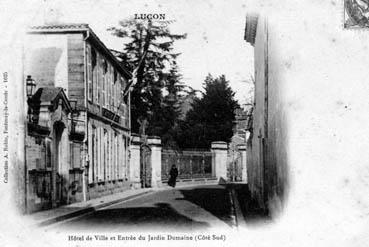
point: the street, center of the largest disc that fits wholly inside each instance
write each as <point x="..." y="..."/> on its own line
<point x="179" y="209"/>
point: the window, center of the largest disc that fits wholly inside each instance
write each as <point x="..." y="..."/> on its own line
<point x="48" y="152"/>
<point x="115" y="90"/>
<point x="98" y="155"/>
<point x="111" y="88"/>
<point x="125" y="157"/>
<point x="104" y="82"/>
<point x="95" y="77"/>
<point x="108" y="97"/>
<point x="76" y="155"/>
<point x="105" y="159"/>
<point x="91" y="57"/>
<point x="93" y="155"/>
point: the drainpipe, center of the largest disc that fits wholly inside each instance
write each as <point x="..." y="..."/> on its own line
<point x="87" y="160"/>
<point x="129" y="141"/>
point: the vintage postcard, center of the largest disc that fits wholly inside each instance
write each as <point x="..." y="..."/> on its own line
<point x="186" y="123"/>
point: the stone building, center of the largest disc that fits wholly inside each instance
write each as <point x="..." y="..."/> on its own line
<point x="47" y="146"/>
<point x="94" y="157"/>
<point x="267" y="137"/>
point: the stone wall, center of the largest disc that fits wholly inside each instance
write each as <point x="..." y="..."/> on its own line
<point x="267" y="156"/>
<point x="38" y="158"/>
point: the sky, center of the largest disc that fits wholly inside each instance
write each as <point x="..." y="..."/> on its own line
<point x="215" y="31"/>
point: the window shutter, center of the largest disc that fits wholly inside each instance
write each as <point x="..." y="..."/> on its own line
<point x="89" y="73"/>
<point x="90" y="153"/>
<point x="108" y="101"/>
<point x="104" y="84"/>
<point x="98" y="80"/>
<point x="125" y="157"/>
<point x="76" y="155"/>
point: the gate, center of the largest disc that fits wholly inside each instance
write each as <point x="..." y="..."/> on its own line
<point x="145" y="163"/>
<point x="191" y="164"/>
<point x="59" y="190"/>
<point x="234" y="166"/>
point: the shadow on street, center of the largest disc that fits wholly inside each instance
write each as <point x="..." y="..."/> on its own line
<point x="158" y="218"/>
<point x="213" y="199"/>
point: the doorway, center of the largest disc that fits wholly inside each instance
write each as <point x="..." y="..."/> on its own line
<point x="58" y="182"/>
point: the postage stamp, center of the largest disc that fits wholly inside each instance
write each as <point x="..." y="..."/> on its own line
<point x="356" y="14"/>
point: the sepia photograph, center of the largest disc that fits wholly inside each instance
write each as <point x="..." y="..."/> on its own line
<point x="157" y="122"/>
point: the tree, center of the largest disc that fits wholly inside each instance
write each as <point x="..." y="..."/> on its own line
<point x="148" y="51"/>
<point x="211" y="117"/>
<point x="165" y="122"/>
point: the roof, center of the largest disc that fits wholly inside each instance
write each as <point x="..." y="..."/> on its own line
<point x="47" y="94"/>
<point x="81" y="28"/>
<point x="50" y="94"/>
<point x="251" y="26"/>
<point x="72" y="26"/>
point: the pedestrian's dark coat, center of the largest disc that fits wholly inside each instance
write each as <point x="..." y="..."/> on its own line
<point x="173" y="176"/>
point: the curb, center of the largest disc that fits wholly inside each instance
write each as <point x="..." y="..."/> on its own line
<point x="233" y="215"/>
<point x="87" y="210"/>
<point x="239" y="219"/>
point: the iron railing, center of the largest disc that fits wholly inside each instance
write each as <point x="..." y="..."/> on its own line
<point x="191" y="164"/>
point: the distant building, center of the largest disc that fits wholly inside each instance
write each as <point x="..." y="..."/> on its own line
<point x="186" y="104"/>
<point x="266" y="144"/>
<point x="240" y="124"/>
<point x="80" y="153"/>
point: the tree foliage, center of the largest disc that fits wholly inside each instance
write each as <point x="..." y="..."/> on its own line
<point x="211" y="117"/>
<point x="152" y="44"/>
<point x="165" y="122"/>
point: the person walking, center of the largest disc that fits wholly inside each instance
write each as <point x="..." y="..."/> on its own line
<point x="173" y="176"/>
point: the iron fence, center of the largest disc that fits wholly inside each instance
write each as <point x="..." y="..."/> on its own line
<point x="191" y="164"/>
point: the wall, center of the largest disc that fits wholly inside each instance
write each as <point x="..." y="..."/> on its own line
<point x="108" y="170"/>
<point x="76" y="76"/>
<point x="277" y="142"/>
<point x="38" y="158"/>
<point x="255" y="164"/>
<point x="65" y="60"/>
<point x="105" y="85"/>
<point x="267" y="155"/>
<point x="46" y="59"/>
<point x="48" y="155"/>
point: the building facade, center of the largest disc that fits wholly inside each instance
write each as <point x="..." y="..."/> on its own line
<point x="95" y="160"/>
<point x="267" y="131"/>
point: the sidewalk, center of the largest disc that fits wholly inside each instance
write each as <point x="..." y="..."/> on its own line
<point x="51" y="216"/>
<point x="48" y="217"/>
<point x="247" y="211"/>
<point x="63" y="213"/>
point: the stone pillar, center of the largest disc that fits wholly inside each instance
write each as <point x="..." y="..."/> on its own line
<point x="242" y="149"/>
<point x="219" y="164"/>
<point x="155" y="144"/>
<point x="134" y="162"/>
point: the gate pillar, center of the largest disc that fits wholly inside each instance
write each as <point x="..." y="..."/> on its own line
<point x="219" y="160"/>
<point x="242" y="149"/>
<point x="155" y="144"/>
<point x="134" y="163"/>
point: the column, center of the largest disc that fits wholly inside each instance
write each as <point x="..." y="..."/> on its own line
<point x="155" y="144"/>
<point x="242" y="149"/>
<point x="134" y="163"/>
<point x="219" y="164"/>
